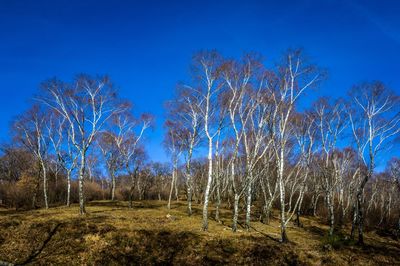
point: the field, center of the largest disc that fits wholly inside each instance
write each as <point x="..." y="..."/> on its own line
<point x="149" y="234"/>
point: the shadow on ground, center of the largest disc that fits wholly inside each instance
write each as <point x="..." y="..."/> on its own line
<point x="149" y="234"/>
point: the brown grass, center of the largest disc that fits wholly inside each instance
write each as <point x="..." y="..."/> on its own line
<point x="149" y="234"/>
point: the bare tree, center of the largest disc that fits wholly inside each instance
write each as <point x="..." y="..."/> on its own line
<point x="237" y="78"/>
<point x="375" y="119"/>
<point x="129" y="134"/>
<point x="174" y="144"/>
<point x="331" y="123"/>
<point x="30" y="129"/>
<point x="304" y="131"/>
<point x="86" y="104"/>
<point x="293" y="78"/>
<point x="207" y="70"/>
<point x="394" y="170"/>
<point x="107" y="142"/>
<point x="185" y="110"/>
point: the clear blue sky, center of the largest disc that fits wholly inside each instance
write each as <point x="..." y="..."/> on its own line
<point x="146" y="46"/>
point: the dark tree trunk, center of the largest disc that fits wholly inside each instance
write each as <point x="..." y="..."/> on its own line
<point x="297" y="221"/>
<point x="131" y="191"/>
<point x="284" y="238"/>
<point x="353" y="222"/>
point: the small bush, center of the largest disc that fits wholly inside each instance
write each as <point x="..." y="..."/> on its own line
<point x="337" y="241"/>
<point x="93" y="191"/>
<point x="25" y="193"/>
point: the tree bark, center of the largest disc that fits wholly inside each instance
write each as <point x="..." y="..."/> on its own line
<point x="113" y="185"/>
<point x="68" y="188"/>
<point x="171" y="189"/>
<point x="360" y="218"/>
<point x="218" y="203"/>
<point x="131" y="191"/>
<point x="44" y="172"/>
<point x="360" y="203"/>
<point x="235" y="213"/>
<point x="354" y="221"/>
<point x="208" y="187"/>
<point x="176" y="186"/>
<point x="284" y="237"/>
<point x="315" y="205"/>
<point x="298" y="213"/>
<point x="398" y="226"/>
<point x="248" y="207"/>
<point x="189" y="196"/>
<point x="82" y="209"/>
<point x="331" y="217"/>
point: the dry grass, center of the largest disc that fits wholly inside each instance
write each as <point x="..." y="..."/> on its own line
<point x="149" y="234"/>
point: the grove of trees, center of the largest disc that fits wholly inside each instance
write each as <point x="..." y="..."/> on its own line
<point x="240" y="135"/>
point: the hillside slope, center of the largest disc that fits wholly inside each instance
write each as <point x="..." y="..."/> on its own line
<point x="149" y="234"/>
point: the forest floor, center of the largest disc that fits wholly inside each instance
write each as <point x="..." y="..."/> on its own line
<point x="150" y="234"/>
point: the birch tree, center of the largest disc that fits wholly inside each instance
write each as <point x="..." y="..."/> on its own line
<point x="174" y="145"/>
<point x="185" y="110"/>
<point x="294" y="76"/>
<point x="108" y="145"/>
<point x="207" y="71"/>
<point x="130" y="134"/>
<point x="375" y="119"/>
<point x="304" y="131"/>
<point x="331" y="124"/>
<point x="86" y="104"/>
<point x="394" y="170"/>
<point x="30" y="130"/>
<point x="237" y="78"/>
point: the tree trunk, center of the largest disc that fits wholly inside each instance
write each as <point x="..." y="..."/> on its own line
<point x="235" y="213"/>
<point x="189" y="175"/>
<point x="218" y="203"/>
<point x="171" y="189"/>
<point x="360" y="203"/>
<point x="176" y="185"/>
<point x="341" y="216"/>
<point x="297" y="221"/>
<point x="34" y="197"/>
<point x="248" y="207"/>
<point x="139" y="188"/>
<point x="354" y="221"/>
<point x="46" y="202"/>
<point x="113" y="185"/>
<point x="267" y="214"/>
<point x="131" y="191"/>
<point x="208" y="187"/>
<point x="298" y="210"/>
<point x="81" y="183"/>
<point x="341" y="209"/>
<point x="263" y="217"/>
<point x="217" y="206"/>
<point x="331" y="216"/>
<point x="284" y="237"/>
<point x="360" y="218"/>
<point x="189" y="196"/>
<point x="68" y="188"/>
<point x="398" y="225"/>
<point x="315" y="205"/>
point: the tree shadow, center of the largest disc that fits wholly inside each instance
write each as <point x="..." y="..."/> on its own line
<point x="315" y="230"/>
<point x="36" y="252"/>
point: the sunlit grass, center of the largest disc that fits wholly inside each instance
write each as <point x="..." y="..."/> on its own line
<point x="149" y="233"/>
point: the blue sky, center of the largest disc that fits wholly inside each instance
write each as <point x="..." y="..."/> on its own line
<point x="146" y="46"/>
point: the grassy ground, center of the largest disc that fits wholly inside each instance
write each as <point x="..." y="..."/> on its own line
<point x="112" y="234"/>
